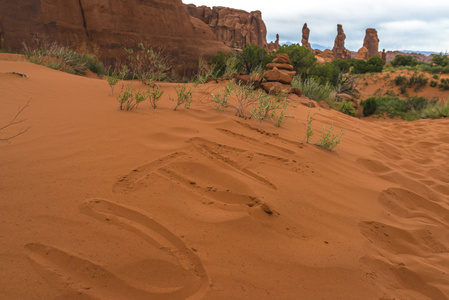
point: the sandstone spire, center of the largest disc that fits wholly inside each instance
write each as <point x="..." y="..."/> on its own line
<point x="305" y="36"/>
<point x="339" y="50"/>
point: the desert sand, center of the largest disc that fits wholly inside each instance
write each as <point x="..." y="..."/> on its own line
<point x="98" y="203"/>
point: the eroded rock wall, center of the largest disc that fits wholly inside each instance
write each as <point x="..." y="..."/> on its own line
<point x="234" y="27"/>
<point x="105" y="27"/>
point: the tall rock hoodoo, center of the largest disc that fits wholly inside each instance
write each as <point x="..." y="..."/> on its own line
<point x="339" y="50"/>
<point x="279" y="75"/>
<point x="273" y="46"/>
<point x="234" y="27"/>
<point x="305" y="36"/>
<point x="370" y="45"/>
<point x="105" y="27"/>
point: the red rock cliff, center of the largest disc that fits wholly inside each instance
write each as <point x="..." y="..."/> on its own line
<point x="105" y="27"/>
<point x="234" y="27"/>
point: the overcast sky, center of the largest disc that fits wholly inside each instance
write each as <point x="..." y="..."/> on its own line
<point x="401" y="25"/>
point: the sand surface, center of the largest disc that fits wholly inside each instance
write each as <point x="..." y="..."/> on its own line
<point x="98" y="203"/>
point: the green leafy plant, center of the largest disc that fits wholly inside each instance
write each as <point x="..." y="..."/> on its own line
<point x="369" y="106"/>
<point x="444" y="84"/>
<point x="347" y="108"/>
<point x="154" y="94"/>
<point x="433" y="83"/>
<point x="309" y="130"/>
<point x="184" y="95"/>
<point x="404" y="60"/>
<point x="222" y="98"/>
<point x="313" y="89"/>
<point x="125" y="98"/>
<point x="147" y="64"/>
<point x="301" y="58"/>
<point x="139" y="97"/>
<point x="112" y="78"/>
<point x="329" y="140"/>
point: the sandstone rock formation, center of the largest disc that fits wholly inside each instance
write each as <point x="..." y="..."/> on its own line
<point x="105" y="27"/>
<point x="370" y="45"/>
<point x="234" y="27"/>
<point x="339" y="50"/>
<point x="305" y="36"/>
<point x="273" y="46"/>
<point x="279" y="75"/>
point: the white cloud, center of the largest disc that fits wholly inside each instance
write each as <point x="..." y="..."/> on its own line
<point x="414" y="25"/>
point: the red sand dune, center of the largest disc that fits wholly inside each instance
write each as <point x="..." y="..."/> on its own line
<point x="98" y="203"/>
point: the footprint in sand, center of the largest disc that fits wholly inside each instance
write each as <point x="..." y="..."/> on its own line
<point x="148" y="279"/>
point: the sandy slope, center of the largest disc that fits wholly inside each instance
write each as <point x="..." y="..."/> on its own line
<point x="97" y="203"/>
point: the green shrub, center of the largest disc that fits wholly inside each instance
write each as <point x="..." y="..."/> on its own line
<point x="404" y="60"/>
<point x="126" y="98"/>
<point x="369" y="106"/>
<point x="440" y="60"/>
<point x="329" y="140"/>
<point x="373" y="65"/>
<point x="184" y="96"/>
<point x="433" y="83"/>
<point x="154" y="94"/>
<point x="400" y="80"/>
<point x="300" y="57"/>
<point x="444" y="84"/>
<point x="251" y="57"/>
<point x="325" y="73"/>
<point x="147" y="64"/>
<point x="346" y="107"/>
<point x="312" y="89"/>
<point x="220" y="62"/>
<point x="434" y="111"/>
<point x="417" y="81"/>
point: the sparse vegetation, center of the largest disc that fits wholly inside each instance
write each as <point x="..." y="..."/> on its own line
<point x="13" y="122"/>
<point x="347" y="108"/>
<point x="60" y="57"/>
<point x="184" y="96"/>
<point x="328" y="140"/>
<point x="147" y="64"/>
<point x="154" y="94"/>
<point x="314" y="90"/>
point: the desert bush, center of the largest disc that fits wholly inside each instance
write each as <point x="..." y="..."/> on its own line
<point x="373" y="65"/>
<point x="404" y="60"/>
<point x="435" y="111"/>
<point x="62" y="58"/>
<point x="369" y="106"/>
<point x="440" y="60"/>
<point x="300" y="57"/>
<point x="154" y="94"/>
<point x="444" y="84"/>
<point x="400" y="80"/>
<point x="328" y="140"/>
<point x="314" y="90"/>
<point x="225" y="64"/>
<point x="309" y="130"/>
<point x="147" y="64"/>
<point x="205" y="71"/>
<point x="347" y="108"/>
<point x="222" y="98"/>
<point x="252" y="57"/>
<point x="433" y="83"/>
<point x="126" y="98"/>
<point x="184" y="96"/>
<point x="417" y="81"/>
<point x="325" y="73"/>
<point x="270" y="107"/>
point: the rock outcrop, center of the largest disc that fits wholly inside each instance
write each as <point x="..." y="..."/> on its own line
<point x="339" y="50"/>
<point x="234" y="27"/>
<point x="305" y="36"/>
<point x="273" y="46"/>
<point x="279" y="75"/>
<point x="370" y="45"/>
<point x="105" y="27"/>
